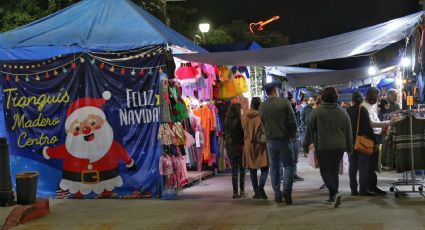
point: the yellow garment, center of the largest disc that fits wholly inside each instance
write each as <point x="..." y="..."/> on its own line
<point x="227" y="89"/>
<point x="224" y="73"/>
<point x="241" y="85"/>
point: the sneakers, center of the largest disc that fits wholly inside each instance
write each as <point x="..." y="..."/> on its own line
<point x="377" y="191"/>
<point x="331" y="199"/>
<point x="366" y="194"/>
<point x="298" y="178"/>
<point x="337" y="200"/>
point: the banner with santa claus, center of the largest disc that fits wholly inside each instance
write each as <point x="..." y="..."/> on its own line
<point x="86" y="122"/>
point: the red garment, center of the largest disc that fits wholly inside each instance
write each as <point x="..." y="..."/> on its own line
<point x="108" y="162"/>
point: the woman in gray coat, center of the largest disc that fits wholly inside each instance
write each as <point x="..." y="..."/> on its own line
<point x="329" y="129"/>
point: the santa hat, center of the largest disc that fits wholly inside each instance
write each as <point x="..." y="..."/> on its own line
<point x="81" y="108"/>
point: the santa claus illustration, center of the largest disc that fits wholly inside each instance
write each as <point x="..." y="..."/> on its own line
<point x="90" y="155"/>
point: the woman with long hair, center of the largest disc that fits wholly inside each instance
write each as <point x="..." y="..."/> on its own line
<point x="255" y="154"/>
<point x="234" y="140"/>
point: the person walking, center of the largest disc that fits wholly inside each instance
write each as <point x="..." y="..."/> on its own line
<point x="255" y="154"/>
<point x="370" y="104"/>
<point x="234" y="140"/>
<point x="359" y="162"/>
<point x="329" y="129"/>
<point x="278" y="119"/>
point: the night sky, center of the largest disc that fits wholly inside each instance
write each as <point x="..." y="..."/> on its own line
<point x="304" y="20"/>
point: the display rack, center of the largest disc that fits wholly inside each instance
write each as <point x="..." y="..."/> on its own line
<point x="413" y="182"/>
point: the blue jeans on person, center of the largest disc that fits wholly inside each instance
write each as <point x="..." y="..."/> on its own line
<point x="294" y="145"/>
<point x="281" y="152"/>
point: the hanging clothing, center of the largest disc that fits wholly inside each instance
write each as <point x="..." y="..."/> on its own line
<point x="224" y="73"/>
<point x="186" y="73"/>
<point x="241" y="84"/>
<point x="420" y="84"/>
<point x="165" y="102"/>
<point x="241" y="69"/>
<point x="402" y="144"/>
<point x="207" y="122"/>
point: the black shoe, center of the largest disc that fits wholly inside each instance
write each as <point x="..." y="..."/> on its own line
<point x="288" y="198"/>
<point x="377" y="191"/>
<point x="278" y="199"/>
<point x="337" y="200"/>
<point x="256" y="196"/>
<point x="354" y="193"/>
<point x="262" y="194"/>
<point x="242" y="194"/>
<point x="367" y="194"/>
<point x="298" y="178"/>
<point x="331" y="198"/>
<point x="236" y="196"/>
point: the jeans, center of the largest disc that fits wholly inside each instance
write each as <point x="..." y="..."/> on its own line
<point x="329" y="161"/>
<point x="359" y="162"/>
<point x="280" y="152"/>
<point x="295" y="152"/>
<point x="263" y="178"/>
<point x="373" y="166"/>
<point x="294" y="145"/>
<point x="235" y="154"/>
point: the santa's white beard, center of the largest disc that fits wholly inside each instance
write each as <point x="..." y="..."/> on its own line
<point x="92" y="150"/>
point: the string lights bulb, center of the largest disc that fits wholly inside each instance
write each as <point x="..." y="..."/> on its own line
<point x="405" y="62"/>
<point x="372" y="70"/>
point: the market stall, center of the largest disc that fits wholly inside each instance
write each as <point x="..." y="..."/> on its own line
<point x="81" y="96"/>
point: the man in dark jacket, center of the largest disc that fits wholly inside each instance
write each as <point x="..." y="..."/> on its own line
<point x="278" y="119"/>
<point x="305" y="113"/>
<point x="359" y="161"/>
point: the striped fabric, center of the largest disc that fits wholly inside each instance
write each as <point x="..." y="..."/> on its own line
<point x="403" y="146"/>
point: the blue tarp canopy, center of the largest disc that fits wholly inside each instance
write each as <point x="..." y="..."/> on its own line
<point x="341" y="46"/>
<point x="90" y="25"/>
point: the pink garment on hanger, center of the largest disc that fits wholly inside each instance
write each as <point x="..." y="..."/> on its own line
<point x="189" y="139"/>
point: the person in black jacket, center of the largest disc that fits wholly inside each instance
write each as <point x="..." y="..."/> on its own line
<point x="234" y="141"/>
<point x="359" y="162"/>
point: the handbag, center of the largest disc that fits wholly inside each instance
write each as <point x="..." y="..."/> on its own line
<point x="260" y="136"/>
<point x="363" y="144"/>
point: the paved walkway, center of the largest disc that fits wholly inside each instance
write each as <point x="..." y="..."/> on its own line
<point x="211" y="207"/>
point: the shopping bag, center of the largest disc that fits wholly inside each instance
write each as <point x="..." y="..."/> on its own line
<point x="312" y="159"/>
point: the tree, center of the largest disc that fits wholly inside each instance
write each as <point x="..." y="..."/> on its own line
<point x="18" y="13"/>
<point x="157" y="8"/>
<point x="183" y="20"/>
<point x="15" y="13"/>
<point x="218" y="36"/>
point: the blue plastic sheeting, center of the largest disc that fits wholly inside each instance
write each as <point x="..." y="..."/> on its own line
<point x="92" y="25"/>
<point x="387" y="83"/>
<point x="341" y="46"/>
